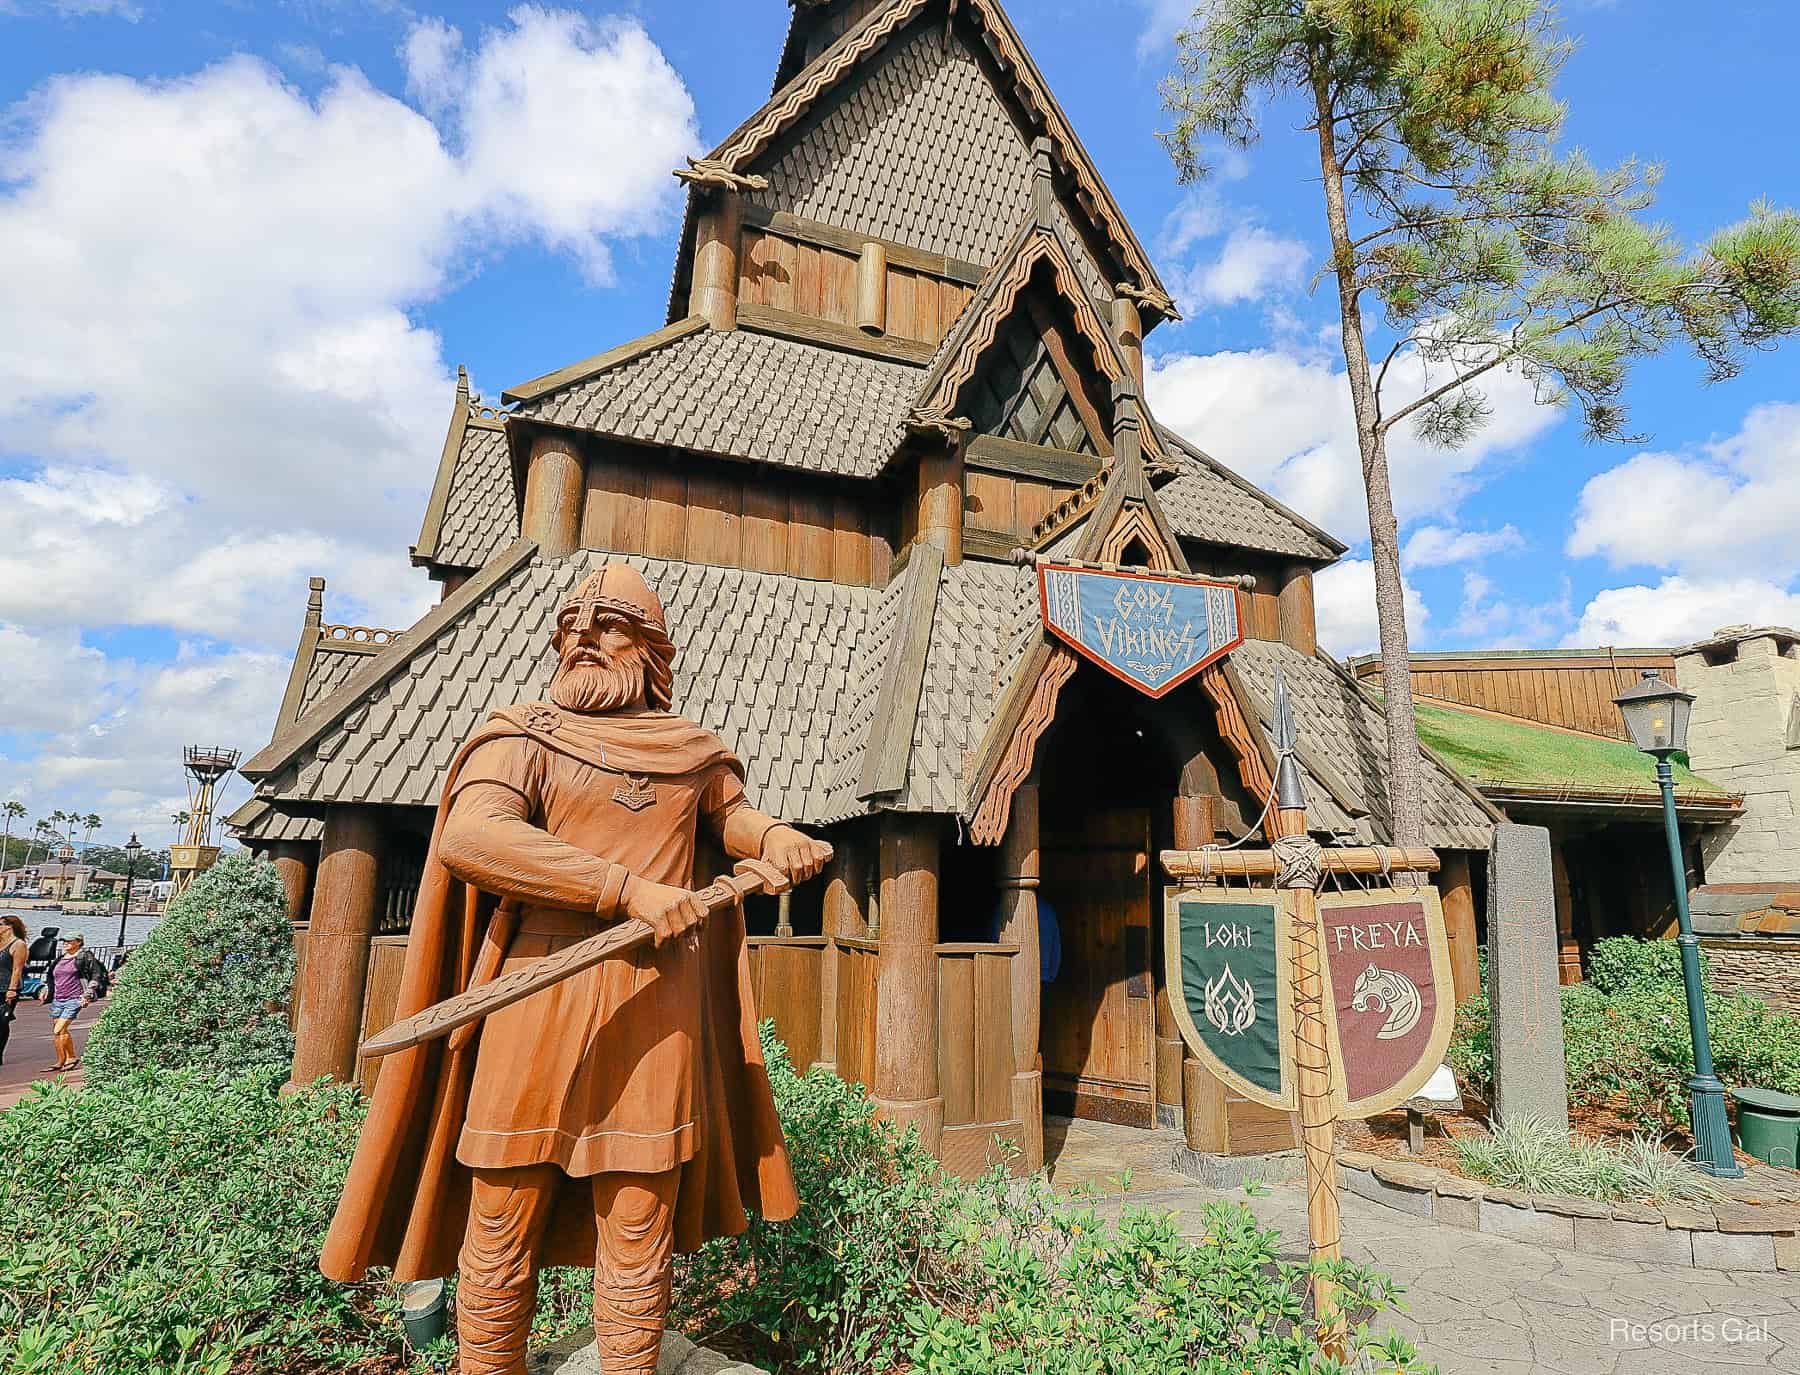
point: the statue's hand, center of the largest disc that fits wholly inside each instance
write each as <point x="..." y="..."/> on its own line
<point x="670" y="912"/>
<point x="796" y="855"/>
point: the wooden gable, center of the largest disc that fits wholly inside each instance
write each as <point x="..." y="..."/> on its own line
<point x="1037" y="382"/>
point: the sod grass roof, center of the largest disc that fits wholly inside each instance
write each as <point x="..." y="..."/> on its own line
<point x="1501" y="755"/>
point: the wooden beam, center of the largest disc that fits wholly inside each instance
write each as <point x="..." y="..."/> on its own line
<point x="344" y="912"/>
<point x="828" y="334"/>
<point x="1243" y="864"/>
<point x="1058" y="349"/>
<point x="601" y="362"/>
<point x="995" y="546"/>
<point x="716" y="249"/>
<point x="554" y="482"/>
<point x="890" y="743"/>
<point x="992" y="453"/>
<point x="907" y="1087"/>
<point x="789" y="226"/>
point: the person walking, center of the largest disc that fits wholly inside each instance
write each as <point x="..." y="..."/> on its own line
<point x="13" y="950"/>
<point x="73" y="982"/>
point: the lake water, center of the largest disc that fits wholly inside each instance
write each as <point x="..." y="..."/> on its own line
<point x="95" y="930"/>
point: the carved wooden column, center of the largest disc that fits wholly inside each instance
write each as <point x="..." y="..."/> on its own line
<point x="906" y="1013"/>
<point x="345" y="907"/>
<point x="846" y="884"/>
<point x="716" y="247"/>
<point x="1298" y="630"/>
<point x="293" y="860"/>
<point x="872" y="289"/>
<point x="1457" y="890"/>
<point x="1128" y="330"/>
<point x="941" y="501"/>
<point x="554" y="480"/>
<point x="1181" y="1081"/>
<point x="1020" y="871"/>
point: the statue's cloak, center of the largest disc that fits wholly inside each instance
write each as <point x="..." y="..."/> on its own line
<point x="406" y="1201"/>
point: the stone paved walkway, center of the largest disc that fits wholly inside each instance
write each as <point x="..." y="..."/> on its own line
<point x="1482" y="1305"/>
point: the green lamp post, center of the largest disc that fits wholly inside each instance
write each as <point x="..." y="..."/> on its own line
<point x="1656" y="717"/>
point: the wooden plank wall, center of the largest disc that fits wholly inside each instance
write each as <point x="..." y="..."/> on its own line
<point x="1261" y="608"/>
<point x="1574" y="692"/>
<point x="810" y="279"/>
<point x="784" y="972"/>
<point x="975" y="1057"/>
<point x="387" y="957"/>
<point x="648" y="501"/>
<point x="1007" y="505"/>
<point x="857" y="961"/>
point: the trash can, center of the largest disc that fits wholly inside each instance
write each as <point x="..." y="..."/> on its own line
<point x="1768" y="1125"/>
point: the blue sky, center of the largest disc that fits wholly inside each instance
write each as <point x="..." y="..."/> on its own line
<point x="243" y="247"/>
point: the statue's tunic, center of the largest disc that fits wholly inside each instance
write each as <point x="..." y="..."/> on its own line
<point x="596" y="1073"/>
<point x="700" y="1100"/>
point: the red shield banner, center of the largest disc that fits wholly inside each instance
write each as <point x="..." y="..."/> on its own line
<point x="1387" y="976"/>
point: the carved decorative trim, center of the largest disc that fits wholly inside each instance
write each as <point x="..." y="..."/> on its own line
<point x="960" y="366"/>
<point x="1071" y="508"/>
<point x="1237" y="732"/>
<point x="356" y="637"/>
<point x="790" y="104"/>
<point x="1028" y="85"/>
<point x="1133" y="522"/>
<point x="716" y="176"/>
<point x="991" y="817"/>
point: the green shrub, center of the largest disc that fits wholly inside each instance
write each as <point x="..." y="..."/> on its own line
<point x="209" y="989"/>
<point x="1542" y="1158"/>
<point x="1625" y="964"/>
<point x="1626" y="1037"/>
<point x="891" y="1260"/>
<point x="167" y="1223"/>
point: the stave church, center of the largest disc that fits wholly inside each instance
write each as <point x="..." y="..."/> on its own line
<point x="901" y="379"/>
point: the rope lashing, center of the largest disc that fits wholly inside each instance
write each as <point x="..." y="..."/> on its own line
<point x="1300" y="861"/>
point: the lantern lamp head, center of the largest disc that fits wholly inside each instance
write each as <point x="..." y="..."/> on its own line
<point x="133" y="847"/>
<point x="1656" y="715"/>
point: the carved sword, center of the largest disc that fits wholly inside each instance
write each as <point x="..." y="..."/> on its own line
<point x="485" y="999"/>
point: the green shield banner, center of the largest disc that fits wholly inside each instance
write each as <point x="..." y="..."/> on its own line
<point x="1226" y="957"/>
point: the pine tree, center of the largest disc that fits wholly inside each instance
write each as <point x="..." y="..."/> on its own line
<point x="1452" y="212"/>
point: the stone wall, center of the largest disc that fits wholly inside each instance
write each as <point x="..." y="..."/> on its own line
<point x="1747" y="683"/>
<point x="1767" y="966"/>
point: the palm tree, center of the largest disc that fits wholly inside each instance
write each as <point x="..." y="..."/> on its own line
<point x="91" y="822"/>
<point x="181" y="820"/>
<point x="41" y="834"/>
<point x="12" y="811"/>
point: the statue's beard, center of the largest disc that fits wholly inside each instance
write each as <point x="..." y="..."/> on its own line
<point x="587" y="682"/>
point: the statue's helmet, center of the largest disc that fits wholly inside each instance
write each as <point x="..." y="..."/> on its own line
<point x="618" y="589"/>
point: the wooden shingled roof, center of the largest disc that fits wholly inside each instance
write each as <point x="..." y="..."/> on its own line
<point x="939" y="140"/>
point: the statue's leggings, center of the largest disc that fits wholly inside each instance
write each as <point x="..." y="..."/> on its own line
<point x="497" y="1292"/>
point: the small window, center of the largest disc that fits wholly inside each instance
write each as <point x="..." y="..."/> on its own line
<point x="1719" y="655"/>
<point x="1793" y="730"/>
<point x="1136" y="555"/>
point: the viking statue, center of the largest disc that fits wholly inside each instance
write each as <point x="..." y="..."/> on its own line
<point x="624" y="1113"/>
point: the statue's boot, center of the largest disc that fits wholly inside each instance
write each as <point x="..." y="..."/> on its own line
<point x="628" y="1325"/>
<point x="493" y="1327"/>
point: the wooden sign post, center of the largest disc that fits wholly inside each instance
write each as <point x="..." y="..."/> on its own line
<point x="1298" y="865"/>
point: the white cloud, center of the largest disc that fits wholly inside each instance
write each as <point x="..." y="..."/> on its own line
<point x="125" y="761"/>
<point x="211" y="363"/>
<point x="1252" y="263"/>
<point x="1344" y="603"/>
<point x="1679" y="610"/>
<point x="1162" y="21"/>
<point x="1433" y="546"/>
<point x="51" y="681"/>
<point x="1733" y="504"/>
<point x="1492" y="622"/>
<point x="1286" y="423"/>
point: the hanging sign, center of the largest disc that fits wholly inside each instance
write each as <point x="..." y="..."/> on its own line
<point x="1387" y="982"/>
<point x="1153" y="630"/>
<point x="1227" y="955"/>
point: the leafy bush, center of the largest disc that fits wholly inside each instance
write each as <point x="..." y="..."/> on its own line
<point x="891" y="1260"/>
<point x="209" y="989"/>
<point x="167" y="1224"/>
<point x="1625" y="964"/>
<point x="1542" y="1158"/>
<point x="1628" y="1044"/>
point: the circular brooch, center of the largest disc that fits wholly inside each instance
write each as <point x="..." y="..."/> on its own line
<point x="545" y="720"/>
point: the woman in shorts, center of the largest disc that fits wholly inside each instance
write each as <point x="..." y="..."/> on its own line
<point x="73" y="982"/>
